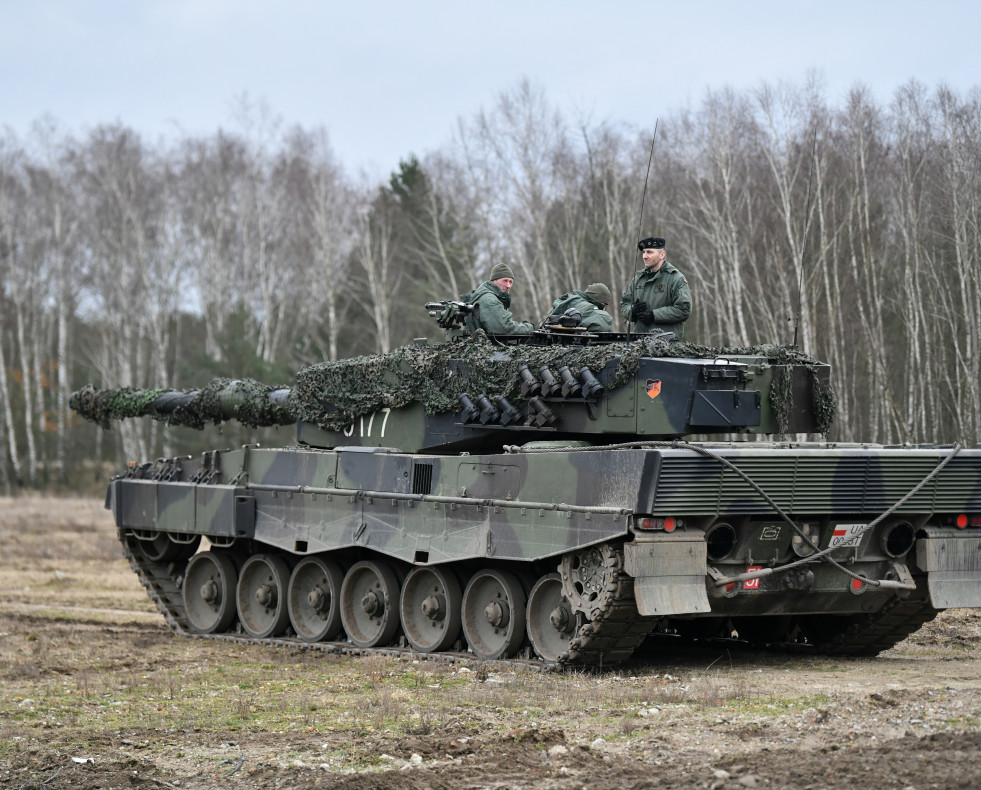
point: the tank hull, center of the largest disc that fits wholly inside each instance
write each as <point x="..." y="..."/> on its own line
<point x="589" y="549"/>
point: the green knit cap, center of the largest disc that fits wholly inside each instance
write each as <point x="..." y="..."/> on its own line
<point x="599" y="293"/>
<point x="500" y="270"/>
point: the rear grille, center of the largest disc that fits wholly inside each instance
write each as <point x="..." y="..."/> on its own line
<point x="869" y="482"/>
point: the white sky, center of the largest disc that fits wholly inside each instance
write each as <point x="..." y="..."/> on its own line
<point x="391" y="78"/>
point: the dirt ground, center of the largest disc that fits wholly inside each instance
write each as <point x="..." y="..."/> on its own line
<point x="97" y="692"/>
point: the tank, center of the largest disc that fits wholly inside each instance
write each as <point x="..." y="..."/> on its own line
<point x="565" y="498"/>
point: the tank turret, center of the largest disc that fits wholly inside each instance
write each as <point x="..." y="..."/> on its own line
<point x="475" y="393"/>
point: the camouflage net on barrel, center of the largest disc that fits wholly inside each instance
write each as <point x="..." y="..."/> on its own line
<point x="332" y="394"/>
<point x="249" y="401"/>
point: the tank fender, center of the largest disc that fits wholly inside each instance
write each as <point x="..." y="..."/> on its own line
<point x="669" y="574"/>
<point x="952" y="562"/>
<point x="214" y="510"/>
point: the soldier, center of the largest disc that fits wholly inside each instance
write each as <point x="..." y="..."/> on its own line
<point x="657" y="299"/>
<point x="494" y="298"/>
<point x="591" y="304"/>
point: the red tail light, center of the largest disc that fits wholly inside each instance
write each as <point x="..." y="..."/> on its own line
<point x="668" y="524"/>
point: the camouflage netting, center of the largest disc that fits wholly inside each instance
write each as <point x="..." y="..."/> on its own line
<point x="245" y="400"/>
<point x="775" y="355"/>
<point x="825" y="404"/>
<point x="782" y="399"/>
<point x="824" y="401"/>
<point x="332" y="394"/>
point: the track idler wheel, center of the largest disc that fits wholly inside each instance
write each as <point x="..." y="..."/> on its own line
<point x="160" y="547"/>
<point x="209" y="592"/>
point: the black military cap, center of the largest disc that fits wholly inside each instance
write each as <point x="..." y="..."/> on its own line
<point x="650" y="243"/>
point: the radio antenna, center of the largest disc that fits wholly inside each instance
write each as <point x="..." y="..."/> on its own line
<point x="640" y="221"/>
<point x="643" y="199"/>
<point x="800" y="288"/>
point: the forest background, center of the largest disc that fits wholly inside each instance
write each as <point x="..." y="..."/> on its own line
<point x="252" y="252"/>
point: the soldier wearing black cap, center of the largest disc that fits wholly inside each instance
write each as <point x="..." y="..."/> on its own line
<point x="494" y="298"/>
<point x="658" y="298"/>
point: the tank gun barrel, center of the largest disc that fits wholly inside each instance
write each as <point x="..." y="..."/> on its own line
<point x="245" y="400"/>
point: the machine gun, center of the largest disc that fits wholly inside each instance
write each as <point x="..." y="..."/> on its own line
<point x="451" y="314"/>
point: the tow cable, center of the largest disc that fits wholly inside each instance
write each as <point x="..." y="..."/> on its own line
<point x="819" y="554"/>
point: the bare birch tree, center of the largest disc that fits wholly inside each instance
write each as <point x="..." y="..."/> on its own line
<point x="512" y="153"/>
<point x="380" y="277"/>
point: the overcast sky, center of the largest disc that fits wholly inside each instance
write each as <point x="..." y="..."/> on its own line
<point x="387" y="79"/>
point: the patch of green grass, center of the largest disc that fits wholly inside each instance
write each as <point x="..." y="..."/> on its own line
<point x="968" y="722"/>
<point x="774" y="706"/>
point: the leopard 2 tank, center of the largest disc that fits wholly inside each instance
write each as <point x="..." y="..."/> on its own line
<point x="544" y="498"/>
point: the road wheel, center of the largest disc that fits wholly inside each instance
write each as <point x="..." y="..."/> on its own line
<point x="430" y="607"/>
<point x="314" y="599"/>
<point x="494" y="614"/>
<point x="369" y="603"/>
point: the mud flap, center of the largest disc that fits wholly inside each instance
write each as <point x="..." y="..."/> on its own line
<point x="669" y="574"/>
<point x="953" y="567"/>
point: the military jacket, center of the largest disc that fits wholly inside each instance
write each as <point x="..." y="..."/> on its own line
<point x="493" y="316"/>
<point x="666" y="293"/>
<point x="594" y="317"/>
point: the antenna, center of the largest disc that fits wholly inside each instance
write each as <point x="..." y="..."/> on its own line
<point x="800" y="288"/>
<point x="640" y="219"/>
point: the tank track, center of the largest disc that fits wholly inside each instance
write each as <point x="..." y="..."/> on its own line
<point x="870" y="634"/>
<point x="612" y="629"/>
<point x="609" y="636"/>
<point x="609" y="629"/>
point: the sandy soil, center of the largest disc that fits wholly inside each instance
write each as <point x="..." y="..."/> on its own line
<point x="96" y="692"/>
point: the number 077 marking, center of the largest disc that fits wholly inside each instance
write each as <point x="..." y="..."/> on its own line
<point x="349" y="431"/>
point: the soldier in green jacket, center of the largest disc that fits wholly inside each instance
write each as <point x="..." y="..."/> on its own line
<point x="657" y="299"/>
<point x="591" y="304"/>
<point x="494" y="298"/>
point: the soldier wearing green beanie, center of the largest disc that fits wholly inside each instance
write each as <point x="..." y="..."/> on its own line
<point x="591" y="304"/>
<point x="493" y="297"/>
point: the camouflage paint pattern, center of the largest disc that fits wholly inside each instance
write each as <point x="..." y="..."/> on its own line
<point x="531" y="508"/>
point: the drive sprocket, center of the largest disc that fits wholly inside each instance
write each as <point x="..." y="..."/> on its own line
<point x="591" y="578"/>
